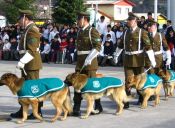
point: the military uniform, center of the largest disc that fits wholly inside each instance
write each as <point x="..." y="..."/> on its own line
<point x="87" y="40"/>
<point x="135" y="43"/>
<point x="29" y="43"/>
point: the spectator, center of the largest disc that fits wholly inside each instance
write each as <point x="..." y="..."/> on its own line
<point x="53" y="33"/>
<point x="102" y="27"/>
<point x="55" y="45"/>
<point x="109" y="31"/>
<point x="14" y="55"/>
<point x="62" y="51"/>
<point x="70" y="51"/>
<point x="142" y="22"/>
<point x="45" y="52"/>
<point x="6" y="50"/>
<point x="1" y="48"/>
<point x="108" y="51"/>
<point x="168" y="29"/>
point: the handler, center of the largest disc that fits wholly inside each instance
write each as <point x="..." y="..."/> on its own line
<point x="30" y="60"/>
<point x="88" y="47"/>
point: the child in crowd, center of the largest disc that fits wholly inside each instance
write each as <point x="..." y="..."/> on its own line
<point x="46" y="51"/>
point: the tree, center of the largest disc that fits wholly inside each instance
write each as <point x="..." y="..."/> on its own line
<point x="10" y="8"/>
<point x="65" y="11"/>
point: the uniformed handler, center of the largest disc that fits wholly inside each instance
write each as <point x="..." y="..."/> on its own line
<point x="30" y="60"/>
<point x="88" y="47"/>
<point x="159" y="44"/>
<point x="135" y="42"/>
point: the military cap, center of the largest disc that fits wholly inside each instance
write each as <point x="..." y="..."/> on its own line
<point x="83" y="14"/>
<point x="132" y="16"/>
<point x="151" y="22"/>
<point x="27" y="13"/>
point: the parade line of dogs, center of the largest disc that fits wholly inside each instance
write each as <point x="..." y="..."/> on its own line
<point x="30" y="92"/>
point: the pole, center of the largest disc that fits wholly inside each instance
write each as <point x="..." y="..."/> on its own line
<point x="155" y="10"/>
<point x="168" y="9"/>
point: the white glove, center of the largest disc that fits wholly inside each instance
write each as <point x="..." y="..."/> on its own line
<point x="151" y="57"/>
<point x="24" y="60"/>
<point x="168" y="57"/>
<point x="117" y="54"/>
<point x="93" y="53"/>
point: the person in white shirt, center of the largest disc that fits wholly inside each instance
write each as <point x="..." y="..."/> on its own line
<point x="5" y="36"/>
<point x="53" y="33"/>
<point x="102" y="26"/>
<point x="109" y="31"/>
<point x="46" y="51"/>
<point x="6" y="50"/>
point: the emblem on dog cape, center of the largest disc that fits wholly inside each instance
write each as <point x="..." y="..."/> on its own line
<point x="96" y="85"/>
<point x="39" y="87"/>
<point x="152" y="81"/>
<point x="172" y="75"/>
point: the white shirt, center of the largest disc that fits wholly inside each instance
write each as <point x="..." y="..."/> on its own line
<point x="46" y="33"/>
<point x="118" y="34"/>
<point x="6" y="36"/>
<point x="52" y="35"/>
<point x="102" y="27"/>
<point x="46" y="49"/>
<point x="6" y="46"/>
<point x="113" y="38"/>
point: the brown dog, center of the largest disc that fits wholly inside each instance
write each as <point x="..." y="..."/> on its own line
<point x="79" y="81"/>
<point x="138" y="82"/>
<point x="169" y="82"/>
<point x="60" y="98"/>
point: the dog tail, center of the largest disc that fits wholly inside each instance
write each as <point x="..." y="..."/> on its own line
<point x="67" y="103"/>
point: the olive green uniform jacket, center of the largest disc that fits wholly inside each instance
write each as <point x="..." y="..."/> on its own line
<point x="87" y="40"/>
<point x="31" y="44"/>
<point x="130" y="43"/>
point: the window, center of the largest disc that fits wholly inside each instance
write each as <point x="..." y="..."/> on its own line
<point x="118" y="10"/>
<point x="126" y="10"/>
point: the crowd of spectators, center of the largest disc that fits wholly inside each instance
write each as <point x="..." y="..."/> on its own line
<point x="58" y="42"/>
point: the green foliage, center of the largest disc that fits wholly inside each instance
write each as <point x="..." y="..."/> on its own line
<point x="10" y="8"/>
<point x="65" y="11"/>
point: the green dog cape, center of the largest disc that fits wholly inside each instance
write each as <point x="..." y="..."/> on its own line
<point x="39" y="87"/>
<point x="172" y="75"/>
<point x="96" y="85"/>
<point x="152" y="81"/>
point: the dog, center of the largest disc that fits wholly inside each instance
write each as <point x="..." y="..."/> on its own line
<point x="147" y="85"/>
<point x="80" y="82"/>
<point x="59" y="95"/>
<point x="169" y="82"/>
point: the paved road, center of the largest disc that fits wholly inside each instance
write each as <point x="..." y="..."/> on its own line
<point x="162" y="116"/>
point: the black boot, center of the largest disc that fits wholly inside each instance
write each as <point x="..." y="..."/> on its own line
<point x="98" y="106"/>
<point x="128" y="93"/>
<point x="126" y="105"/>
<point x="77" y="103"/>
<point x="152" y="98"/>
<point x="31" y="116"/>
<point x="18" y="114"/>
<point x="140" y="100"/>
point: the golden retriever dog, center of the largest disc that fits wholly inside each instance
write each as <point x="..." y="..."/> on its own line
<point x="60" y="98"/>
<point x="140" y="83"/>
<point x="79" y="81"/>
<point x="169" y="82"/>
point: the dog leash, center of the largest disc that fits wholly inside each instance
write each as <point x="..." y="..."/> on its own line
<point x="82" y="68"/>
<point x="148" y="69"/>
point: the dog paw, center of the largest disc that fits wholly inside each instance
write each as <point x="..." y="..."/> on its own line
<point x="118" y="113"/>
<point x="52" y="120"/>
<point x="84" y="117"/>
<point x="19" y="122"/>
<point x="63" y="118"/>
<point x="95" y="111"/>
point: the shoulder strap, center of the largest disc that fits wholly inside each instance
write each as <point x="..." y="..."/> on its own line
<point x="90" y="35"/>
<point x="25" y="36"/>
<point x="140" y="33"/>
<point x="124" y="40"/>
<point x="161" y="48"/>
